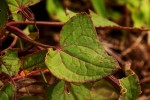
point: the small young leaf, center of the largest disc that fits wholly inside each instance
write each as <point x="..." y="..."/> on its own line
<point x="81" y="57"/>
<point x="7" y="92"/>
<point x="9" y="63"/>
<point x="70" y="13"/>
<point x="130" y="88"/>
<point x="64" y="91"/>
<point x="34" y="60"/>
<point x="100" y="21"/>
<point x="3" y="14"/>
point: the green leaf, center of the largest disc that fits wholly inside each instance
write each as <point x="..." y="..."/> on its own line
<point x="70" y="13"/>
<point x="55" y="10"/>
<point x="14" y="5"/>
<point x="1" y="83"/>
<point x="81" y="58"/>
<point x="99" y="6"/>
<point x="31" y="98"/>
<point x="34" y="60"/>
<point x="100" y="90"/>
<point x="7" y="92"/>
<point x="100" y="21"/>
<point x="3" y="14"/>
<point x="19" y="9"/>
<point x="18" y="17"/>
<point x="9" y="63"/>
<point x="103" y="90"/>
<point x="130" y="88"/>
<point x="66" y="91"/>
<point x="3" y="96"/>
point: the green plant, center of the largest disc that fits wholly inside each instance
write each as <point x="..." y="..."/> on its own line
<point x="79" y="68"/>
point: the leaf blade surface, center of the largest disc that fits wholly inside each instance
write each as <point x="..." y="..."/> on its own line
<point x="82" y="57"/>
<point x="10" y="63"/>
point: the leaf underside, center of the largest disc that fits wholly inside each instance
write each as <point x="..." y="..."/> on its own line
<point x="82" y="58"/>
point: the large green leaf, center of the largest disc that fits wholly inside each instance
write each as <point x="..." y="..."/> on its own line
<point x="34" y="60"/>
<point x="81" y="57"/>
<point x="55" y="10"/>
<point x="14" y="5"/>
<point x="65" y="91"/>
<point x="7" y="92"/>
<point x="3" y="14"/>
<point x="9" y="63"/>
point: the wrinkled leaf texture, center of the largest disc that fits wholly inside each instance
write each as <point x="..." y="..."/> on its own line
<point x="81" y="58"/>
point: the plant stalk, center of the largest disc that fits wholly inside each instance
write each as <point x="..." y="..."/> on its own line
<point x="114" y="81"/>
<point x="37" y="23"/>
<point x="22" y="35"/>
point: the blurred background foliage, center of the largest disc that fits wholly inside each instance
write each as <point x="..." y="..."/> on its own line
<point x="139" y="9"/>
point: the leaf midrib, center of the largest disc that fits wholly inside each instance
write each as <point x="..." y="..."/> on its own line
<point x="85" y="61"/>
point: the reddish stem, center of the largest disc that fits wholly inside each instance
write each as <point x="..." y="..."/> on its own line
<point x="61" y="24"/>
<point x="29" y="74"/>
<point x="22" y="35"/>
<point x="11" y="45"/>
<point x="114" y="81"/>
<point x="37" y="23"/>
<point x="124" y="28"/>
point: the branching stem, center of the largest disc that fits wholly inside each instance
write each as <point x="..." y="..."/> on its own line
<point x="29" y="74"/>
